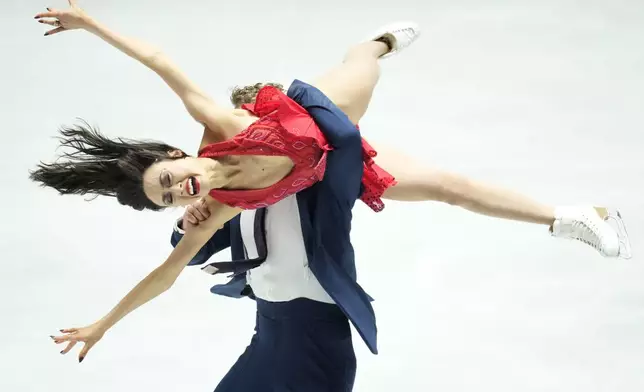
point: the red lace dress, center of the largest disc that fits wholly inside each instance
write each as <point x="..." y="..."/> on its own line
<point x="284" y="128"/>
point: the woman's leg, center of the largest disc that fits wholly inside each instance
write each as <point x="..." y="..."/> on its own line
<point x="350" y="85"/>
<point x="417" y="182"/>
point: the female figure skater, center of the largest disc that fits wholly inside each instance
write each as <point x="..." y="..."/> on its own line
<point x="305" y="142"/>
<point x="248" y="148"/>
<point x="154" y="175"/>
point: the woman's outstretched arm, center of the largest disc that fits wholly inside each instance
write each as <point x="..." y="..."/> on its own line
<point x="200" y="106"/>
<point x="156" y="283"/>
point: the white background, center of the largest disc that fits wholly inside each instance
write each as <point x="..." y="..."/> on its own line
<point x="543" y="96"/>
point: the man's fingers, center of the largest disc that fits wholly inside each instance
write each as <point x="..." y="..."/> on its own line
<point x="205" y="212"/>
<point x="202" y="206"/>
<point x="198" y="214"/>
<point x="191" y="218"/>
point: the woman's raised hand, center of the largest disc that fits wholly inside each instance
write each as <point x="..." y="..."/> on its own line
<point x="71" y="18"/>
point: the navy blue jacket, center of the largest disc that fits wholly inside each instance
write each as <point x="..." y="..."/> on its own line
<point x="325" y="212"/>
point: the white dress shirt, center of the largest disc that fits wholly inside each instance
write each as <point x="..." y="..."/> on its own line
<point x="285" y="275"/>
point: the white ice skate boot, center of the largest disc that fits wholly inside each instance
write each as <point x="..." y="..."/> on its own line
<point x="590" y="226"/>
<point x="398" y="36"/>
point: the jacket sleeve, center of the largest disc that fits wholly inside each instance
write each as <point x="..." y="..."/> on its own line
<point x="345" y="165"/>
<point x="218" y="242"/>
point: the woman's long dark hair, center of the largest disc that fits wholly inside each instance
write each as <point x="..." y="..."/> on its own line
<point x="95" y="164"/>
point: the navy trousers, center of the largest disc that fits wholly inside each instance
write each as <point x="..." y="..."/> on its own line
<point x="298" y="346"/>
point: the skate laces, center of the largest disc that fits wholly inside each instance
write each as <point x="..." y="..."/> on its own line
<point x="585" y="230"/>
<point x="395" y="42"/>
<point x="409" y="33"/>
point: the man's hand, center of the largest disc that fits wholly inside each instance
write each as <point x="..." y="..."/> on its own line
<point x="194" y="214"/>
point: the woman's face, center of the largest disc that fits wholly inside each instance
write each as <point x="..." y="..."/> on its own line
<point x="177" y="182"/>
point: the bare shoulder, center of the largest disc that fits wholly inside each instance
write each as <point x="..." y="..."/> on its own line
<point x="236" y="122"/>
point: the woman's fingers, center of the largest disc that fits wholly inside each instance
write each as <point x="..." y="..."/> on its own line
<point x="86" y="336"/>
<point x="51" y="13"/>
<point x="47" y="15"/>
<point x="55" y="31"/>
<point x="68" y="348"/>
<point x="68" y="337"/>
<point x="61" y="339"/>
<point x="51" y="22"/>
<point x="84" y="351"/>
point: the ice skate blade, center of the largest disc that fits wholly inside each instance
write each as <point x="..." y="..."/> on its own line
<point x="614" y="219"/>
